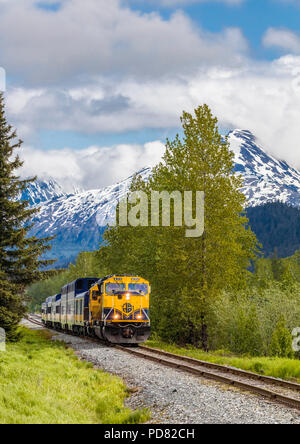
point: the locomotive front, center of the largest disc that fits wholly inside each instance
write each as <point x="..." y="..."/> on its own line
<point x="120" y="309"/>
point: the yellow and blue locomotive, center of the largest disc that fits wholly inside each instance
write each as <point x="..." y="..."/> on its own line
<point x="114" y="308"/>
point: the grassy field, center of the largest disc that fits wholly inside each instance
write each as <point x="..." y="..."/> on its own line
<point x="288" y="369"/>
<point x="43" y="382"/>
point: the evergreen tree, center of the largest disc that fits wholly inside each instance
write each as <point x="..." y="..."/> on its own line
<point x="277" y="226"/>
<point x="20" y="262"/>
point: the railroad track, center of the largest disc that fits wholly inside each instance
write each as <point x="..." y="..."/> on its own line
<point x="278" y="390"/>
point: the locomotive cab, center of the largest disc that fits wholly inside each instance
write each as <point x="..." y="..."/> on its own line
<point x="120" y="309"/>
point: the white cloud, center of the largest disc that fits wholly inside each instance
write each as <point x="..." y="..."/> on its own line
<point x="100" y="37"/>
<point x="261" y="97"/>
<point x="91" y="168"/>
<point x="283" y="39"/>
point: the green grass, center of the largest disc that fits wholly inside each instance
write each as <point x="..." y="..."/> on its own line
<point x="43" y="382"/>
<point x="288" y="369"/>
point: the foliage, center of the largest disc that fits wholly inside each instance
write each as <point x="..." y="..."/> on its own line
<point x="20" y="262"/>
<point x="245" y="336"/>
<point x="281" y="342"/>
<point x="85" y="266"/>
<point x="277" y="226"/>
<point x="43" y="382"/>
<point x="186" y="273"/>
<point x="245" y="323"/>
<point x="11" y="306"/>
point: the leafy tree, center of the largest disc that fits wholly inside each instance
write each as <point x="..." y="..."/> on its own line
<point x="20" y="262"/>
<point x="186" y="273"/>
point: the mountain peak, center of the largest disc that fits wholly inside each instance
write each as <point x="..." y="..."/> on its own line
<point x="266" y="179"/>
<point x="243" y="134"/>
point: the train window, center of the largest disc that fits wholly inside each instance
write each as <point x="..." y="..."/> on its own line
<point x="57" y="309"/>
<point x="110" y="287"/>
<point x="81" y="307"/>
<point x="143" y="288"/>
<point x="79" y="284"/>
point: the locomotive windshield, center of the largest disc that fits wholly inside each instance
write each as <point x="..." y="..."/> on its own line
<point x="143" y="288"/>
<point x="112" y="286"/>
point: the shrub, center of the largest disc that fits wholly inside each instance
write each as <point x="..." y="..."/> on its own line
<point x="281" y="343"/>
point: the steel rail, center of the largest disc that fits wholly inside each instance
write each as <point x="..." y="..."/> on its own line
<point x="227" y="369"/>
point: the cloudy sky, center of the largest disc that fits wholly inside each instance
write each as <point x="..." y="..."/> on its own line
<point x="94" y="87"/>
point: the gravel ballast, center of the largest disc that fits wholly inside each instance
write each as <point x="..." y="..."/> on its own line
<point x="178" y="398"/>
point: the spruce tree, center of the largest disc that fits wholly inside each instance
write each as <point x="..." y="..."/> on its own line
<point x="20" y="262"/>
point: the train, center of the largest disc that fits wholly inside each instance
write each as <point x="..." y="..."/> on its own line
<point x="114" y="309"/>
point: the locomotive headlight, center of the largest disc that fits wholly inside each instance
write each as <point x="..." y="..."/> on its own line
<point x="128" y="297"/>
<point x="139" y="316"/>
<point x="116" y="316"/>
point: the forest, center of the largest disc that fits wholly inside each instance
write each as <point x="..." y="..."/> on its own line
<point x="277" y="227"/>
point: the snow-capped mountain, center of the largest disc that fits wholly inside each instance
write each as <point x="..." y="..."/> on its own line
<point x="78" y="220"/>
<point x="266" y="179"/>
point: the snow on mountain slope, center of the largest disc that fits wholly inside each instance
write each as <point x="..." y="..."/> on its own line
<point x="42" y="191"/>
<point x="78" y="220"/>
<point x="266" y="179"/>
